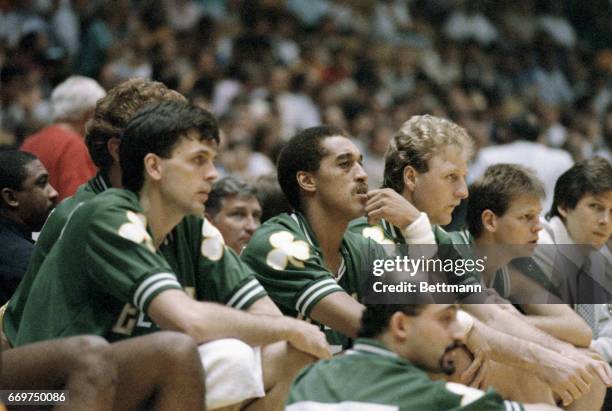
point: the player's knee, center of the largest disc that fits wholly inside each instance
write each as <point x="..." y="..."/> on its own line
<point x="296" y="360"/>
<point x="93" y="360"/>
<point x="175" y="348"/>
<point x="596" y="394"/>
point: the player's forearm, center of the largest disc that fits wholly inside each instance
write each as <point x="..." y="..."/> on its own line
<point x="510" y="350"/>
<point x="563" y="329"/>
<point x="209" y="321"/>
<point x="264" y="306"/>
<point x="517" y="326"/>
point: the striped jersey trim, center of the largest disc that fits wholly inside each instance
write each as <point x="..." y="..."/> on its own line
<point x="360" y="348"/>
<point x="151" y="285"/>
<point x="313" y="292"/>
<point x="300" y="223"/>
<point x="341" y="406"/>
<point x="512" y="406"/>
<point x="98" y="184"/>
<point x="245" y="294"/>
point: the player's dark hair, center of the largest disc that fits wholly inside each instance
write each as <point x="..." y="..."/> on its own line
<point x="303" y="152"/>
<point x="228" y="187"/>
<point x="13" y="169"/>
<point x="499" y="186"/>
<point x="376" y="317"/>
<point x="113" y="112"/>
<point x="156" y="129"/>
<point x="592" y="176"/>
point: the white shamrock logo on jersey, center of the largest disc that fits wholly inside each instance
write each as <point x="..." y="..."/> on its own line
<point x="286" y="250"/>
<point x="377" y="234"/>
<point x="468" y="394"/>
<point x="136" y="230"/>
<point x="212" y="242"/>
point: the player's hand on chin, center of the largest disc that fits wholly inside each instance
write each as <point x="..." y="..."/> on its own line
<point x="388" y="204"/>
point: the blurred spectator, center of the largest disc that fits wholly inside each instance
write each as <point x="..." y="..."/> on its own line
<point x="548" y="163"/>
<point x="468" y="22"/>
<point x="556" y="25"/>
<point x="234" y="209"/>
<point x="60" y="146"/>
<point x="374" y="154"/>
<point x="606" y="148"/>
<point x="26" y="199"/>
<point x="286" y="65"/>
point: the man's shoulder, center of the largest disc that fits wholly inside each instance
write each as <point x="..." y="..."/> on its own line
<point x="282" y="223"/>
<point x="102" y="207"/>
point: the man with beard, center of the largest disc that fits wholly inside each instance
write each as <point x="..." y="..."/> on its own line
<point x="26" y="198"/>
<point x="387" y="367"/>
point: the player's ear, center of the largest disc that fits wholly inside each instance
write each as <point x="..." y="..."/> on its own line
<point x="562" y="211"/>
<point x="112" y="145"/>
<point x="489" y="220"/>
<point x="153" y="166"/>
<point x="400" y="326"/>
<point x="306" y="181"/>
<point x="410" y="176"/>
<point x="9" y="198"/>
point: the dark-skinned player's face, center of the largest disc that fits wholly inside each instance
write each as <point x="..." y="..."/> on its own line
<point x="341" y="182"/>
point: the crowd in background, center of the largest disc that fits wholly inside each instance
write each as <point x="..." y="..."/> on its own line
<point x="269" y="68"/>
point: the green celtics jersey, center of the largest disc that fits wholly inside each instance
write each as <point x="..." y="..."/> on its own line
<point x="371" y="377"/>
<point x="289" y="263"/>
<point x="103" y="271"/>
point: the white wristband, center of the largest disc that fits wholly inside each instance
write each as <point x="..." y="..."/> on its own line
<point x="419" y="231"/>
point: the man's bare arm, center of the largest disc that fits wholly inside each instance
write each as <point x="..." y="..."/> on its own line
<point x="566" y="377"/>
<point x="203" y="321"/>
<point x="340" y="312"/>
<point x="560" y="321"/>
<point x="506" y="322"/>
<point x="264" y="306"/>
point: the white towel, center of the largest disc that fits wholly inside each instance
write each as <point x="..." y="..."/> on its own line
<point x="233" y="372"/>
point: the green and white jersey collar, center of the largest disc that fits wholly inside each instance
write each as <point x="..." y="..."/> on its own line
<point x="369" y="346"/>
<point x="99" y="183"/>
<point x="302" y="223"/>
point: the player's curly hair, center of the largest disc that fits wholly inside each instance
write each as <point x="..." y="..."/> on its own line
<point x="115" y="110"/>
<point x="416" y="142"/>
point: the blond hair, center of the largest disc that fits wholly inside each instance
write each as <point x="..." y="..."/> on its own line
<point x="417" y="141"/>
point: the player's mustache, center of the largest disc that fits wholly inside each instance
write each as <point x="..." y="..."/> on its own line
<point x="447" y="365"/>
<point x="361" y="189"/>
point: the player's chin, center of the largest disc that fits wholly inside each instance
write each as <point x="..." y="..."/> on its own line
<point x="196" y="208"/>
<point x="445" y="219"/>
<point x="358" y="210"/>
